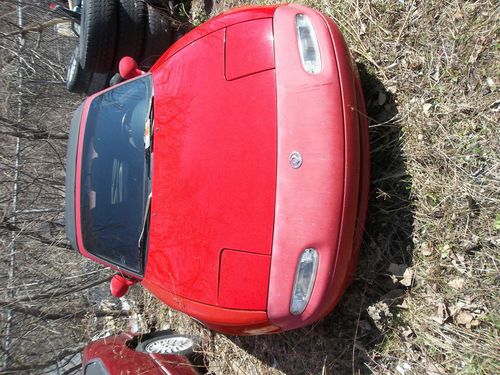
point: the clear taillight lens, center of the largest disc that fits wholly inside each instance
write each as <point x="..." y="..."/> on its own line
<point x="308" y="44"/>
<point x="304" y="281"/>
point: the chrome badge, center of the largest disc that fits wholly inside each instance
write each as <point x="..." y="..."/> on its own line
<point x="295" y="159"/>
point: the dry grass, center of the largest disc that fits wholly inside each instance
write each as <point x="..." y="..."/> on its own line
<point x="431" y="78"/>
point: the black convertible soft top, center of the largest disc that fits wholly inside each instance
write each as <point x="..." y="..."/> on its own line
<point x="69" y="212"/>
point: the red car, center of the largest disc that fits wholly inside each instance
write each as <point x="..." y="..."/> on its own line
<point x="159" y="353"/>
<point x="232" y="179"/>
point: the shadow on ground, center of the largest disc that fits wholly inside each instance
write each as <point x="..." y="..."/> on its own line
<point x="341" y="342"/>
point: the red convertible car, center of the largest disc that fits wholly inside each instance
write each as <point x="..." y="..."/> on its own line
<point x="231" y="180"/>
<point x="153" y="354"/>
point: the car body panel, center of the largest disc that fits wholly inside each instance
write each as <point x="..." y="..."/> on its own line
<point x="230" y="217"/>
<point x="231" y="17"/>
<point x="249" y="48"/>
<point x="117" y="357"/>
<point x="247" y="288"/>
<point x="316" y="204"/>
<point x="214" y="169"/>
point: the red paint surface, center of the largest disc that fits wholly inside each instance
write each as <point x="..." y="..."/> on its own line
<point x="214" y="169"/>
<point x="316" y="205"/>
<point x="118" y="358"/>
<point x="229" y="321"/>
<point x="220" y="22"/>
<point x="249" y="48"/>
<point x="222" y="180"/>
<point x="243" y="280"/>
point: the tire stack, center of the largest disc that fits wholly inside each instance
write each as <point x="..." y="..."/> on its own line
<point x="112" y="29"/>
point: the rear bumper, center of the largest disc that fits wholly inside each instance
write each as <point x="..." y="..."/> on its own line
<point x="316" y="204"/>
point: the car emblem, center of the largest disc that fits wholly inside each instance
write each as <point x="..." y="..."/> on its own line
<point x="295" y="159"/>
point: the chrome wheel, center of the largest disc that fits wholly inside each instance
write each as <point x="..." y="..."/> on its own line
<point x="169" y="345"/>
<point x="73" y="66"/>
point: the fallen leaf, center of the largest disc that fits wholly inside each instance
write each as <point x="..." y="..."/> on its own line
<point x="380" y="314"/>
<point x="435" y="369"/>
<point x="473" y="206"/>
<point x="407" y="332"/>
<point x="458" y="261"/>
<point x="392" y="89"/>
<point x="426" y="108"/>
<point x="363" y="28"/>
<point x="403" y="305"/>
<point x="458" y="15"/>
<point x="426" y="250"/>
<point x="491" y="83"/>
<point x="442" y="314"/>
<point x="457" y="283"/>
<point x="402" y="368"/>
<point x="464" y="318"/>
<point x="445" y="251"/>
<point x="407" y="279"/>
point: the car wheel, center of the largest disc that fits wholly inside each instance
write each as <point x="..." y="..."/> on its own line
<point x="168" y="344"/>
<point x="159" y="3"/>
<point x="157" y="39"/>
<point x="77" y="79"/>
<point x="97" y="82"/>
<point x="131" y="28"/>
<point x="115" y="79"/>
<point x="98" y="35"/>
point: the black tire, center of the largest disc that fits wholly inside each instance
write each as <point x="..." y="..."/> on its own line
<point x="115" y="79"/>
<point x="98" y="35"/>
<point x="97" y="82"/>
<point x="169" y="344"/>
<point x="159" y="3"/>
<point x="131" y="29"/>
<point x="157" y="39"/>
<point x="77" y="79"/>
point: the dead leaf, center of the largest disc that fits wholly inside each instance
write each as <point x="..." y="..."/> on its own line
<point x="457" y="283"/>
<point x="380" y="314"/>
<point x="464" y="318"/>
<point x="403" y="305"/>
<point x="426" y="249"/>
<point x="491" y="83"/>
<point x="363" y="28"/>
<point x="407" y="279"/>
<point x="458" y="15"/>
<point x="458" y="261"/>
<point x="426" y="108"/>
<point x="403" y="368"/>
<point x="442" y="314"/>
<point x="445" y="251"/>
<point x="435" y="369"/>
<point x="407" y="332"/>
